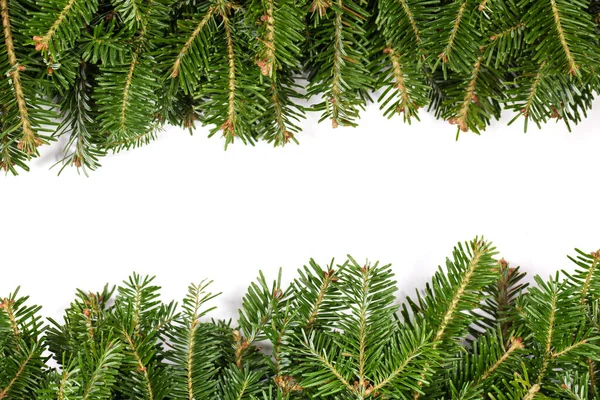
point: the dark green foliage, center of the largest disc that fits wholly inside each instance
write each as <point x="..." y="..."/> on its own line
<point x="117" y="71"/>
<point x="337" y="332"/>
<point x="337" y="59"/>
<point x="21" y="347"/>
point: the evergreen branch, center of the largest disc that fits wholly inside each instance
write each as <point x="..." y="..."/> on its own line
<point x="562" y="34"/>
<point x="573" y="67"/>
<point x="59" y="23"/>
<point x="337" y="60"/>
<point x="267" y="65"/>
<point x="548" y="337"/>
<point x="103" y="375"/>
<point x="4" y="392"/>
<point x="479" y="250"/>
<point x="411" y="18"/>
<point x="461" y="118"/>
<point x="47" y="37"/>
<point x="569" y="348"/>
<point x="228" y="126"/>
<point x="411" y="356"/>
<point x="588" y="279"/>
<point x="281" y="23"/>
<point x="7" y="305"/>
<point x="532" y="392"/>
<point x="284" y="135"/>
<point x="445" y="55"/>
<point x="356" y="345"/>
<point x="507" y="32"/>
<point x="175" y="69"/>
<point x="533" y="91"/>
<point x="141" y="367"/>
<point x="130" y="10"/>
<point x="29" y="141"/>
<point x="515" y="344"/>
<point x="308" y="345"/>
<point x="135" y="140"/>
<point x="79" y="123"/>
<point x="126" y="94"/>
<point x="329" y="278"/>
<point x="405" y="105"/>
<point x="362" y="327"/>
<point x="592" y="372"/>
<point x="62" y="386"/>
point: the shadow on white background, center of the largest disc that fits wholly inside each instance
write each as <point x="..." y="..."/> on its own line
<point x="185" y="210"/>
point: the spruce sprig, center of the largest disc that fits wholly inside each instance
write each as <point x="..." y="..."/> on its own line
<point x="116" y="72"/>
<point x="337" y="331"/>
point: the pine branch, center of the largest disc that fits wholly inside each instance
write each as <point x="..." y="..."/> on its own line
<point x="21" y="349"/>
<point x="21" y="116"/>
<point x="334" y="333"/>
<point x="471" y="270"/>
<point x="83" y="147"/>
<point x="281" y="23"/>
<point x="565" y="34"/>
<point x="319" y="291"/>
<point x="458" y="48"/>
<point x="338" y="60"/>
<point x="587" y="276"/>
<point x="233" y="98"/>
<point x="57" y="24"/>
<point x="18" y="376"/>
<point x="194" y="51"/>
<point x="500" y="307"/>
<point x="195" y="348"/>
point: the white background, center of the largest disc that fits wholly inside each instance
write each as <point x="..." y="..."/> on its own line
<point x="184" y="209"/>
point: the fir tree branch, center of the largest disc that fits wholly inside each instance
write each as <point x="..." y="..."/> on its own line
<point x="445" y="55"/>
<point x="533" y="90"/>
<point x="61" y="17"/>
<point x="590" y="276"/>
<point x="400" y="83"/>
<point x="479" y="249"/>
<point x="267" y="64"/>
<point x="461" y="118"/>
<point x="592" y="372"/>
<point x="362" y="329"/>
<point x="126" y="95"/>
<point x="103" y="374"/>
<point x="329" y="278"/>
<point x="141" y="367"/>
<point x="413" y="354"/>
<point x="573" y="67"/>
<point x="7" y="306"/>
<point x="5" y="392"/>
<point x="532" y="392"/>
<point x="328" y="364"/>
<point x="284" y="135"/>
<point x="135" y="140"/>
<point x="338" y="45"/>
<point x="515" y="344"/>
<point x="507" y="31"/>
<point x="29" y="141"/>
<point x="59" y="24"/>
<point x="186" y="47"/>
<point x="64" y="378"/>
<point x="228" y="126"/>
<point x="411" y="18"/>
<point x="548" y="336"/>
<point x="569" y="348"/>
